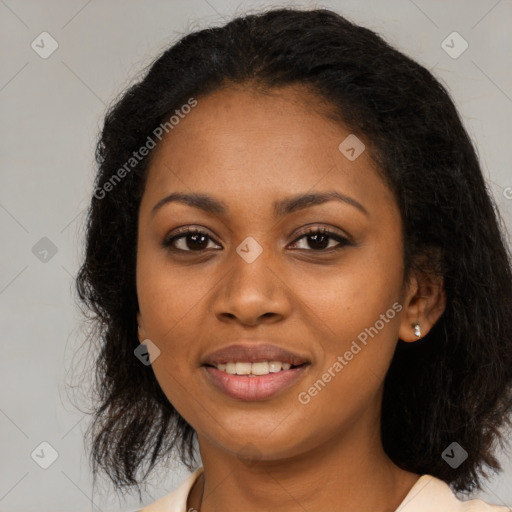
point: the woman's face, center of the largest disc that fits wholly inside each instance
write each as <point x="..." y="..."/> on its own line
<point x="256" y="284"/>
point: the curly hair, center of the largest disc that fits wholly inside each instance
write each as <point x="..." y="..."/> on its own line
<point x="455" y="383"/>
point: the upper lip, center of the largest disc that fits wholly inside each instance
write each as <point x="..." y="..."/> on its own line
<point x="252" y="353"/>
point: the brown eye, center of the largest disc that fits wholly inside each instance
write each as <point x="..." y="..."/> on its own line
<point x="195" y="240"/>
<point x="190" y="240"/>
<point x="319" y="239"/>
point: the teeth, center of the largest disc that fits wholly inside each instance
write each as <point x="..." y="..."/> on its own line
<point x="243" y="368"/>
<point x="251" y="369"/>
<point x="260" y="368"/>
<point x="274" y="366"/>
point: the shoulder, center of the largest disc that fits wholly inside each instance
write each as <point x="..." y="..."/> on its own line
<point x="176" y="501"/>
<point x="432" y="494"/>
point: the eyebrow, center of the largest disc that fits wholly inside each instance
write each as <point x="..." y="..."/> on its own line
<point x="281" y="208"/>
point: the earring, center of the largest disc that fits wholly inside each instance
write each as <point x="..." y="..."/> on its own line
<point x="417" y="330"/>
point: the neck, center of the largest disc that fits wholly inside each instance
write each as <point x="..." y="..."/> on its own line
<point x="351" y="472"/>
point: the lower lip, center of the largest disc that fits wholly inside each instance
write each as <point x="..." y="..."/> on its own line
<point x="243" y="387"/>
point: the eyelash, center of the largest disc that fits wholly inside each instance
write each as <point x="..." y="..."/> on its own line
<point x="168" y="242"/>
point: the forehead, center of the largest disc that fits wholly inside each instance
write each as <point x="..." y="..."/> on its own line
<point x="252" y="144"/>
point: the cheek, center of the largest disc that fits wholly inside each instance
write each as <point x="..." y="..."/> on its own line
<point x="356" y="312"/>
<point x="168" y="300"/>
<point x="350" y="297"/>
<point x="167" y="293"/>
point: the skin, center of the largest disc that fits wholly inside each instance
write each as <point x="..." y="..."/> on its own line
<point x="249" y="149"/>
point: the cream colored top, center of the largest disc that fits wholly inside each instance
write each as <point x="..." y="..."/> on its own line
<point x="428" y="494"/>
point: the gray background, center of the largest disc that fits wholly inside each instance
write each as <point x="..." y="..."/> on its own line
<point x="51" y="112"/>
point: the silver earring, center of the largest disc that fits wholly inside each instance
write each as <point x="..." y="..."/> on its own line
<point x="417" y="330"/>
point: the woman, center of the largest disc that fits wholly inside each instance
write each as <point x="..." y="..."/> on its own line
<point x="294" y="260"/>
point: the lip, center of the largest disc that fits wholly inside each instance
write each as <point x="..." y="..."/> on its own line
<point x="253" y="353"/>
<point x="261" y="387"/>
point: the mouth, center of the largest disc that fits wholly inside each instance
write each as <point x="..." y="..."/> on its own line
<point x="253" y="372"/>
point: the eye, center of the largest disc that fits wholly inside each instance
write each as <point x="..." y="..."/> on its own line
<point x="195" y="240"/>
<point x="190" y="239"/>
<point x="318" y="239"/>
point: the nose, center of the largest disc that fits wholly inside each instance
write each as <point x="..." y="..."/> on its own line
<point x="252" y="292"/>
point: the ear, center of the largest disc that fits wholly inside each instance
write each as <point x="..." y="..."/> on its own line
<point x="141" y="334"/>
<point x="425" y="302"/>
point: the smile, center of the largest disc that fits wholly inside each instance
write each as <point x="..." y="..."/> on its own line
<point x="253" y="369"/>
<point x="249" y="385"/>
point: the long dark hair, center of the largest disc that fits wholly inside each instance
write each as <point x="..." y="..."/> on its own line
<point x="453" y="385"/>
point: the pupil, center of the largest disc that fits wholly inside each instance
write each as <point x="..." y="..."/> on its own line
<point x="202" y="244"/>
<point x="315" y="239"/>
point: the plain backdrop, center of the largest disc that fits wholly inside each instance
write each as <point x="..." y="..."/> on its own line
<point x="51" y="111"/>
